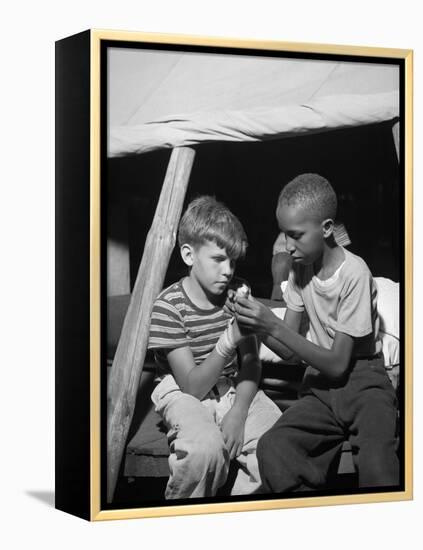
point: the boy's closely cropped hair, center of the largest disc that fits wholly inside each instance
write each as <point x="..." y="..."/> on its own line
<point x="345" y="392"/>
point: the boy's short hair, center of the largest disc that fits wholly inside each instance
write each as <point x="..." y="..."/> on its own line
<point x="207" y="219"/>
<point x="313" y="193"/>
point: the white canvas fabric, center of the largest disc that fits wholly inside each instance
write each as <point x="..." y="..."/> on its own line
<point x="171" y="99"/>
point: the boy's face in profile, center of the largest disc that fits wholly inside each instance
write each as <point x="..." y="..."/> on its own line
<point x="304" y="234"/>
<point x="211" y="266"/>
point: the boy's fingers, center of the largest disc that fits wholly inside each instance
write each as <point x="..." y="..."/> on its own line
<point x="243" y="320"/>
<point x="229" y="445"/>
<point x="229" y="304"/>
<point x="234" y="450"/>
<point x="248" y="307"/>
<point x="231" y="295"/>
<point x="244" y="311"/>
<point x="244" y="301"/>
<point x="239" y="448"/>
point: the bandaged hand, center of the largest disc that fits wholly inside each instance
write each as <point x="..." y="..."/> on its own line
<point x="229" y="340"/>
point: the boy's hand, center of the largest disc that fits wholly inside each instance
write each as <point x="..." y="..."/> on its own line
<point x="229" y="306"/>
<point x="237" y="333"/>
<point x="254" y="316"/>
<point x="232" y="427"/>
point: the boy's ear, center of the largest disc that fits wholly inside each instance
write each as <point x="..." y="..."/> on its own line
<point x="327" y="226"/>
<point x="187" y="253"/>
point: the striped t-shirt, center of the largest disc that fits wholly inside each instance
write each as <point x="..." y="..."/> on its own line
<point x="176" y="322"/>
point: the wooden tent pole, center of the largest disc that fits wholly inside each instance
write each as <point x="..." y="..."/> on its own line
<point x="395" y="136"/>
<point x="130" y="354"/>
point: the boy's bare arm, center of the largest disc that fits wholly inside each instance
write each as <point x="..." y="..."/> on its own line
<point x="197" y="380"/>
<point x="250" y="373"/>
<point x="281" y="262"/>
<point x="257" y="311"/>
<point x="293" y="320"/>
<point x="248" y="379"/>
<point x="333" y="362"/>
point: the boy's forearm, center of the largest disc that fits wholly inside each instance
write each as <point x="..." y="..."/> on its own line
<point x="248" y="380"/>
<point x="202" y="378"/>
<point x="329" y="363"/>
<point x="280" y="349"/>
<point x="276" y="293"/>
<point x="245" y="393"/>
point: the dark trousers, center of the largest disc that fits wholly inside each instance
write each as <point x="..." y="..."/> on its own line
<point x="297" y="452"/>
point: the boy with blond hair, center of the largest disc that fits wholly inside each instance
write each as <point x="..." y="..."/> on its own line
<point x="209" y="403"/>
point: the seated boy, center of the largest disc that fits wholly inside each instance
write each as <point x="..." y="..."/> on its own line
<point x="213" y="413"/>
<point x="345" y="390"/>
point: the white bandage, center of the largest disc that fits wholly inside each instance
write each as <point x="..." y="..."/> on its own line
<point x="226" y="344"/>
<point x="243" y="291"/>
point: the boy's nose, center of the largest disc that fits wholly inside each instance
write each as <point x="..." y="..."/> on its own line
<point x="290" y="247"/>
<point x="228" y="268"/>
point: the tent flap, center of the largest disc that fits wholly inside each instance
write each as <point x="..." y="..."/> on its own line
<point x="256" y="124"/>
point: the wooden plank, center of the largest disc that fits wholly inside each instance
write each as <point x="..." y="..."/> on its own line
<point x="129" y="358"/>
<point x="118" y="277"/>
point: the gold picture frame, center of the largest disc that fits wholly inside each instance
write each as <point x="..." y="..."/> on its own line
<point x="86" y="471"/>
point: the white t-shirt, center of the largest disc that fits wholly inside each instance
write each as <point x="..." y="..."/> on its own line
<point x="347" y="303"/>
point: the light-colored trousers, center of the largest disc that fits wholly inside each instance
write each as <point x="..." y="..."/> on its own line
<point x="199" y="460"/>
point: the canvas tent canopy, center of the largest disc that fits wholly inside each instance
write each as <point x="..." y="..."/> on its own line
<point x="190" y="100"/>
<point x="173" y="100"/>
